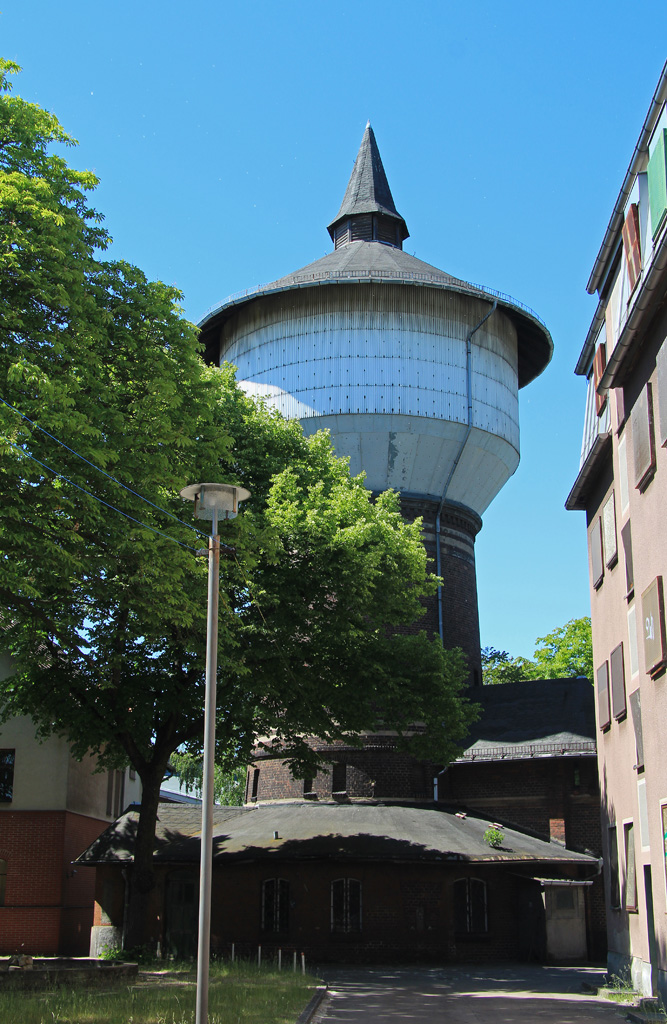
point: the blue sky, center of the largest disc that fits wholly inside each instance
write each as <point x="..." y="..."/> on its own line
<point x="224" y="134"/>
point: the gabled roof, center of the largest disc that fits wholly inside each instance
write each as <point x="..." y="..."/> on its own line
<point x="368" y="189"/>
<point x="328" y="831"/>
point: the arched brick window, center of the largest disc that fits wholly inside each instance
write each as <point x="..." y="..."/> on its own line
<point x="470" y="908"/>
<point x="275" y="905"/>
<point x="346" y="905"/>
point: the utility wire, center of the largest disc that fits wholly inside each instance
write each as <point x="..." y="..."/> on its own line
<point x="60" y="476"/>
<point x="100" y="470"/>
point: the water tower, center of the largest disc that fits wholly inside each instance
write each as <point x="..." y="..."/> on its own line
<point x="415" y="373"/>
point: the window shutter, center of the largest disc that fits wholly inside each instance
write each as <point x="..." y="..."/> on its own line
<point x="662" y="392"/>
<point x="626" y="538"/>
<point x="477" y="905"/>
<point x="338" y="905"/>
<point x="653" y="627"/>
<point x="636" y="709"/>
<point x="602" y="677"/>
<point x="617" y="667"/>
<point x="353" y="905"/>
<point x="643" y="443"/>
<point x="599" y="365"/>
<point x="609" y="531"/>
<point x="631" y="246"/>
<point x="630" y="867"/>
<point x="269" y="905"/>
<point x="283" y="905"/>
<point x="597" y="565"/>
<point x="657" y="183"/>
<point x="614" y="887"/>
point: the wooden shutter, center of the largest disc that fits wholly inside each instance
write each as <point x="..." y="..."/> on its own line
<point x="599" y="365"/>
<point x="609" y="531"/>
<point x="614" y="886"/>
<point x="653" y="627"/>
<point x="617" y="669"/>
<point x="643" y="441"/>
<point x="657" y="183"/>
<point x="626" y="538"/>
<point x="597" y="565"/>
<point x="636" y="709"/>
<point x="631" y="246"/>
<point x="602" y="678"/>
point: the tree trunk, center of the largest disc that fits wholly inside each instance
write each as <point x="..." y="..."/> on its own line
<point x="141" y="923"/>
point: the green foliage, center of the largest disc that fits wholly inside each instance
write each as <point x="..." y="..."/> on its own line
<point x="106" y="613"/>
<point x="494" y="837"/>
<point x="564" y="652"/>
<point x="229" y="786"/>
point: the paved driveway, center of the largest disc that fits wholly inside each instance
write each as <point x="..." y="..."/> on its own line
<point x="464" y="995"/>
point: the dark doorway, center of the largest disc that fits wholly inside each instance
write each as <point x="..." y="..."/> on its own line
<point x="181" y="912"/>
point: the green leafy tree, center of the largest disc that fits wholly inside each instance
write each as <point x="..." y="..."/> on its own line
<point x="228" y="786"/>
<point x="564" y="652"/>
<point x="104" y="594"/>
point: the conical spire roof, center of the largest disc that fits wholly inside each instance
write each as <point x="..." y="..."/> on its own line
<point x="368" y="189"/>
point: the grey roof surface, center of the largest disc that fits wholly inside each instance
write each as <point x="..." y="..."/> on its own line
<point x="368" y="189"/>
<point x="358" y="831"/>
<point x="533" y="718"/>
<point x="373" y="262"/>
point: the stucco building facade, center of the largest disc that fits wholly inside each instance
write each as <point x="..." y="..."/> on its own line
<point x="622" y="487"/>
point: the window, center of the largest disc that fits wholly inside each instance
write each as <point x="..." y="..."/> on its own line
<point x="6" y="776"/>
<point x="614" y="886"/>
<point x="115" y="793"/>
<point x="643" y="439"/>
<point x="631" y="244"/>
<point x="255" y="784"/>
<point x="626" y="540"/>
<point x="664" y="834"/>
<point x="346" y="905"/>
<point x="636" y="709"/>
<point x="275" y="905"/>
<point x="602" y="679"/>
<point x="653" y="627"/>
<point x="609" y="532"/>
<point x="617" y="672"/>
<point x="470" y="912"/>
<point x="3" y="881"/>
<point x="661" y="363"/>
<point x="657" y="183"/>
<point x="623" y="488"/>
<point x="308" y="787"/>
<point x="630" y="866"/>
<point x="632" y="641"/>
<point x="597" y="564"/>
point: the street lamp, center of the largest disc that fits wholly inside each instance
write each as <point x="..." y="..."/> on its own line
<point x="212" y="501"/>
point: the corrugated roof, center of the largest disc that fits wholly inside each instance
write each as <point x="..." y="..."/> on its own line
<point x="329" y="831"/>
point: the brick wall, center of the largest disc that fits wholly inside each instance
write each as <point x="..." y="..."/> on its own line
<point x="48" y="907"/>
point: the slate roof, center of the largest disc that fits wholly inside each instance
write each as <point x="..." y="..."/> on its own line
<point x="329" y="831"/>
<point x="373" y="262"/>
<point x="368" y="189"/>
<point x="541" y="717"/>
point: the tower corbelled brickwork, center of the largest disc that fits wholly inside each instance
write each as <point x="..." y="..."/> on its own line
<point x="415" y="373"/>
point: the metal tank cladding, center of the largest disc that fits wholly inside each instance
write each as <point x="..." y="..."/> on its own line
<point x="383" y="366"/>
<point x="415" y="373"/>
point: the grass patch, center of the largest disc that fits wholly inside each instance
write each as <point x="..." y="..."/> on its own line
<point x="239" y="993"/>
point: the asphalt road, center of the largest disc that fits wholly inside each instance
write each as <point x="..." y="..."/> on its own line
<point x="466" y="994"/>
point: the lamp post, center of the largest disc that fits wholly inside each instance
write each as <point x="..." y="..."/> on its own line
<point x="212" y="501"/>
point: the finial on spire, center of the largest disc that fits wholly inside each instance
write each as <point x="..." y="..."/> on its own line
<point x="368" y="212"/>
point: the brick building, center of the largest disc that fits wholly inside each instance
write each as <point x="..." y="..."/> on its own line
<point x="622" y="487"/>
<point x="51" y="808"/>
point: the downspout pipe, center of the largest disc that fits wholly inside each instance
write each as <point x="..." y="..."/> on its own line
<point x="438" y="557"/>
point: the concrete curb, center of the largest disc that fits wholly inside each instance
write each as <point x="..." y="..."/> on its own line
<point x="306" y="1015"/>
